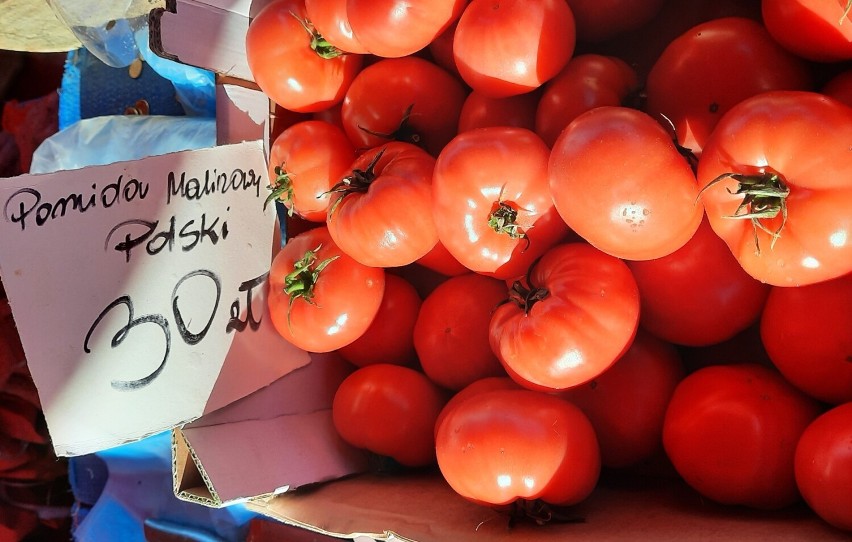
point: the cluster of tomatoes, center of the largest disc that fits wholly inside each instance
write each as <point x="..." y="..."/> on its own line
<point x="561" y="236"/>
<point x="34" y="496"/>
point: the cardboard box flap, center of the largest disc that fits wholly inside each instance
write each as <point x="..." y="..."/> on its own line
<point x="176" y="32"/>
<point x="423" y="508"/>
<point x="278" y="438"/>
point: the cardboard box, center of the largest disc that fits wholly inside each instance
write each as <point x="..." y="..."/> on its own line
<point x="232" y="453"/>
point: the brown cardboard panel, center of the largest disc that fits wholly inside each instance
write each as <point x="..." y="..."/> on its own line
<point x="424" y="508"/>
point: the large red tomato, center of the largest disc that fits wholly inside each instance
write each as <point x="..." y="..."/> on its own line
<point x="331" y="19"/>
<point x="390" y="338"/>
<point x="389" y="410"/>
<point x="491" y="200"/>
<point x="698" y="295"/>
<point x="512" y="46"/>
<point x="381" y="213"/>
<point x="712" y="67"/>
<point x="289" y="63"/>
<point x="397" y="28"/>
<point x="305" y="161"/>
<point x="619" y="182"/>
<point x="319" y="298"/>
<point x="627" y="403"/>
<point x="576" y="315"/>
<point x="807" y="332"/>
<point x="824" y="466"/>
<point x="818" y="30"/>
<point x="731" y="433"/>
<point x="451" y="332"/>
<point x="586" y="82"/>
<point x="777" y="189"/>
<point x="406" y="99"/>
<point x="502" y="446"/>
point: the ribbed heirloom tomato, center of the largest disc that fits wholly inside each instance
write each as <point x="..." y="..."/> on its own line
<point x="569" y="321"/>
<point x="776" y="186"/>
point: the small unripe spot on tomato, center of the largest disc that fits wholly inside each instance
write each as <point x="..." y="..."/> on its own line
<point x="714" y="107"/>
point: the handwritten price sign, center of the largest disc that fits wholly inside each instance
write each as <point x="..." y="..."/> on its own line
<point x="133" y="284"/>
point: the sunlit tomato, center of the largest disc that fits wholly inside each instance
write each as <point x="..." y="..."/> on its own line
<point x="699" y="294"/>
<point x="599" y="20"/>
<point x="627" y="403"/>
<point x="731" y="433"/>
<point x="480" y="111"/>
<point x="305" y="161"/>
<point x="389" y="410"/>
<point x="814" y="29"/>
<point x="397" y="28"/>
<point x="513" y="46"/>
<point x="476" y="387"/>
<point x="441" y="261"/>
<point x="381" y="213"/>
<point x="712" y="67"/>
<point x="287" y="64"/>
<point x="331" y="19"/>
<point x="451" y="332"/>
<point x="577" y="314"/>
<point x="319" y="298"/>
<point x="390" y="338"/>
<point x="586" y="82"/>
<point x="619" y="182"/>
<point x="807" y="332"/>
<point x="777" y="189"/>
<point x="502" y="446"/>
<point x="491" y="200"/>
<point x="824" y="466"/>
<point x="839" y="87"/>
<point x="404" y="99"/>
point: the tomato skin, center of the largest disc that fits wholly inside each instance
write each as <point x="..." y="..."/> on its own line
<point x="811" y="29"/>
<point x="599" y="20"/>
<point x="501" y="446"/>
<point x="802" y="137"/>
<point x="370" y="225"/>
<point x="372" y="395"/>
<point x="285" y="67"/>
<point x="513" y="46"/>
<point x="824" y="466"/>
<point x="806" y="332"/>
<point x="314" y="155"/>
<point x="587" y="81"/>
<point x="479" y="111"/>
<point x="714" y="66"/>
<point x="451" y="331"/>
<point x="390" y="338"/>
<point x="589" y="316"/>
<point x="346" y="295"/>
<point x="380" y="94"/>
<point x="731" y="432"/>
<point x="396" y="28"/>
<point x="643" y="204"/>
<point x="331" y="19"/>
<point x="627" y="403"/>
<point x="489" y="383"/>
<point x="839" y="87"/>
<point x="698" y="295"/>
<point x="474" y="174"/>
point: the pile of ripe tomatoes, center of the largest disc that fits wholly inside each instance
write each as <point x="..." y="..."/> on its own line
<point x="562" y="236"/>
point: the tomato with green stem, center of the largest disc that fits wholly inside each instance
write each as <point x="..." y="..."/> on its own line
<point x="776" y="186"/>
<point x="331" y="19"/>
<point x="319" y="298"/>
<point x="292" y="64"/>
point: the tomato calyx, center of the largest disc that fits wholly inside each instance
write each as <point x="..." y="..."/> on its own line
<point x="539" y="512"/>
<point x="356" y="182"/>
<point x="404" y="131"/>
<point x="322" y="47"/>
<point x="686" y="152"/>
<point x="282" y="186"/>
<point x="300" y="282"/>
<point x="503" y="219"/>
<point x="764" y="197"/>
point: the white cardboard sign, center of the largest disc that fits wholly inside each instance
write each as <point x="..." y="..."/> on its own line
<point x="131" y="282"/>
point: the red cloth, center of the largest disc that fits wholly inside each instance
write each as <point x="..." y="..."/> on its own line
<point x="30" y="122"/>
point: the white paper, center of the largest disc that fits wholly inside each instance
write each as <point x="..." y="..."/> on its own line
<point x="129" y="282"/>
